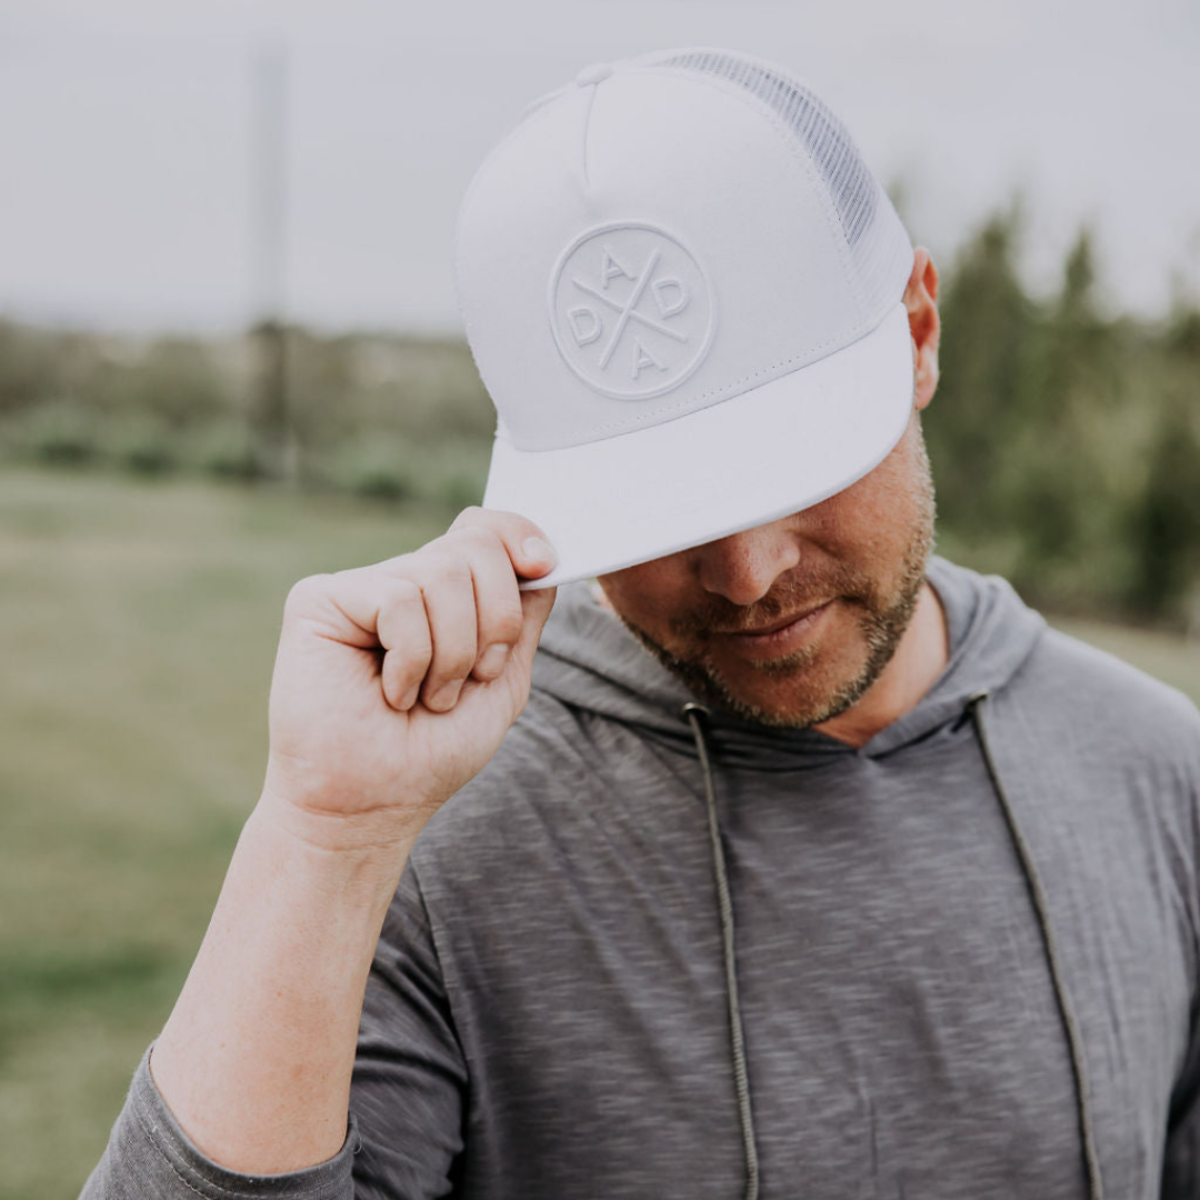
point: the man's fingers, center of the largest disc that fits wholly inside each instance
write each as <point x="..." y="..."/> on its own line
<point x="449" y="591"/>
<point x="528" y="548"/>
<point x="403" y="630"/>
<point x="343" y="607"/>
<point x="443" y="614"/>
<point x="499" y="615"/>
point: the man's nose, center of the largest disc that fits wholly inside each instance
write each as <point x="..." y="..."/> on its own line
<point x="744" y="566"/>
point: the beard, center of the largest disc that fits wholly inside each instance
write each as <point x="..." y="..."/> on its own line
<point x="809" y="686"/>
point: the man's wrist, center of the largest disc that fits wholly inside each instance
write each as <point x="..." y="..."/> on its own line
<point x="362" y="847"/>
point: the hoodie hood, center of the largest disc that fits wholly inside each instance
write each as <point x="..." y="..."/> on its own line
<point x="591" y="661"/>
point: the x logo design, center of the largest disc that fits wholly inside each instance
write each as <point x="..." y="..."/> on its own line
<point x="629" y="310"/>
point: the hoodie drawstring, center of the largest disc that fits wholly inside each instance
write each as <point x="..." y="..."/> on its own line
<point x="693" y="714"/>
<point x="1038" y="896"/>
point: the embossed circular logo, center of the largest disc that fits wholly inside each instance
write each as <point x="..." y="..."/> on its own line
<point x="632" y="312"/>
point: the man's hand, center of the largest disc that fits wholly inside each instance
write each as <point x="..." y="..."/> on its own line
<point x="395" y="683"/>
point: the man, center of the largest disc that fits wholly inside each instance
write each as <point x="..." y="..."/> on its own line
<point x="860" y="883"/>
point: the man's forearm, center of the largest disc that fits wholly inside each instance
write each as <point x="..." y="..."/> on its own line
<point x="394" y="685"/>
<point x="256" y="1058"/>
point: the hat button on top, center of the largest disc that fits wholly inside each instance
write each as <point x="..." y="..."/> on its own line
<point x="596" y="73"/>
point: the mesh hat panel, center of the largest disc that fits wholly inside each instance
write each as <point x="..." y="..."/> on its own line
<point x="880" y="252"/>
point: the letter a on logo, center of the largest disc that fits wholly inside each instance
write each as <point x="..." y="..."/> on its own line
<point x="610" y="267"/>
<point x="643" y="358"/>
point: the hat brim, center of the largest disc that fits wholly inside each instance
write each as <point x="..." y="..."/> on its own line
<point x="768" y="452"/>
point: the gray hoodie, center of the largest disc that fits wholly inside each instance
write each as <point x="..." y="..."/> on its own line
<point x="652" y="951"/>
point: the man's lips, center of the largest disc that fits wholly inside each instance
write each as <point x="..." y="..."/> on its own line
<point x="775" y="626"/>
<point x="786" y="635"/>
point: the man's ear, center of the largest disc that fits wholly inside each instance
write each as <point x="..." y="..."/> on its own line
<point x="924" y="325"/>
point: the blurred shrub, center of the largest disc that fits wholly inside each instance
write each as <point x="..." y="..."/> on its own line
<point x="31" y="367"/>
<point x="1164" y="517"/>
<point x="176" y="380"/>
<point x="141" y="442"/>
<point x="59" y="432"/>
<point x="224" y="449"/>
<point x="447" y="472"/>
<point x="424" y="389"/>
<point x="367" y="466"/>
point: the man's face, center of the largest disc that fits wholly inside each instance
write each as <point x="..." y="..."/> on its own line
<point x="725" y="616"/>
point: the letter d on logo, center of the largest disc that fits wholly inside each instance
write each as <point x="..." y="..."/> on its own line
<point x="586" y="334"/>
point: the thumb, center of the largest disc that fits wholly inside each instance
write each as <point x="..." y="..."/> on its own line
<point x="535" y="605"/>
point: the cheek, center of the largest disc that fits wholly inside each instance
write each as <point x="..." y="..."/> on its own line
<point x="624" y="594"/>
<point x="873" y="519"/>
<point x="646" y="596"/>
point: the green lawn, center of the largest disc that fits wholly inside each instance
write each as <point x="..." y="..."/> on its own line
<point x="139" y="623"/>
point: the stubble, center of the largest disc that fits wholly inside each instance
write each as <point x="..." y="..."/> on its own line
<point x="881" y="617"/>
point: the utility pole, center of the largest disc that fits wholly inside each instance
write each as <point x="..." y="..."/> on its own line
<point x="274" y="442"/>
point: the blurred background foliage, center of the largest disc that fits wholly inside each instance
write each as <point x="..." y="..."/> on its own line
<point x="1066" y="443"/>
<point x="1065" y="440"/>
<point x="373" y="414"/>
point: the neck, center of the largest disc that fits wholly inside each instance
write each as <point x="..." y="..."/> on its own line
<point x="920" y="658"/>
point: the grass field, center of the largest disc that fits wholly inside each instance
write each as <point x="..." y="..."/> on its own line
<point x="138" y="630"/>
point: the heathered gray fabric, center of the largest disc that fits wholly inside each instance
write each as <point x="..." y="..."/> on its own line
<point x="547" y="1016"/>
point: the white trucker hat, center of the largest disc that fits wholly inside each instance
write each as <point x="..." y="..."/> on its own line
<point x="683" y="288"/>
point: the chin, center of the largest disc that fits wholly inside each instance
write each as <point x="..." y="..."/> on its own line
<point x="808" y="687"/>
<point x="804" y="697"/>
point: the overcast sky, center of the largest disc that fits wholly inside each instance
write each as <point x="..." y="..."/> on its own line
<point x="126" y="148"/>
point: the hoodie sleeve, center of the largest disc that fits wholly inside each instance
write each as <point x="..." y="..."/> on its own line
<point x="406" y="1094"/>
<point x="410" y="1075"/>
<point x="1181" y="1155"/>
<point x="149" y="1155"/>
